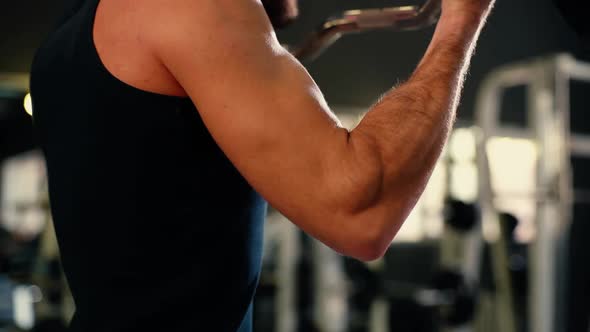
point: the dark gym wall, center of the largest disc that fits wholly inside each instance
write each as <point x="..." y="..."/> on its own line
<point x="23" y="23"/>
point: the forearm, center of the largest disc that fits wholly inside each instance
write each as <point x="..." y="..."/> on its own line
<point x="405" y="131"/>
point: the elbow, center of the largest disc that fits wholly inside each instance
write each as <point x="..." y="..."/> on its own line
<point x="370" y="248"/>
<point x="373" y="227"/>
<point x="372" y="230"/>
<point x="370" y="239"/>
<point x="369" y="253"/>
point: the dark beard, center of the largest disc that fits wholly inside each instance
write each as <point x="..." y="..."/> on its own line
<point x="281" y="12"/>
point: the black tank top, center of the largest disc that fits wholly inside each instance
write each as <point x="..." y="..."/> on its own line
<point x="157" y="229"/>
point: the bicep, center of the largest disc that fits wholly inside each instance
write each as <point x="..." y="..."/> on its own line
<point x="261" y="107"/>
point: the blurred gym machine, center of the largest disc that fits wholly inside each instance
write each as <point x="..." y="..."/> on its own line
<point x="33" y="292"/>
<point x="548" y="113"/>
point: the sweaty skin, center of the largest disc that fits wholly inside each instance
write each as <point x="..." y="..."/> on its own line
<point x="351" y="190"/>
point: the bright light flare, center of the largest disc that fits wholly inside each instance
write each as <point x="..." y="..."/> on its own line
<point x="28" y="104"/>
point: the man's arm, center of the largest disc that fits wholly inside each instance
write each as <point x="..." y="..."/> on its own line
<point x="351" y="190"/>
<point x="417" y="117"/>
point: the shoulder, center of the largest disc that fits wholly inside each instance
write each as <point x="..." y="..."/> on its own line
<point x="174" y="20"/>
<point x="208" y="35"/>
